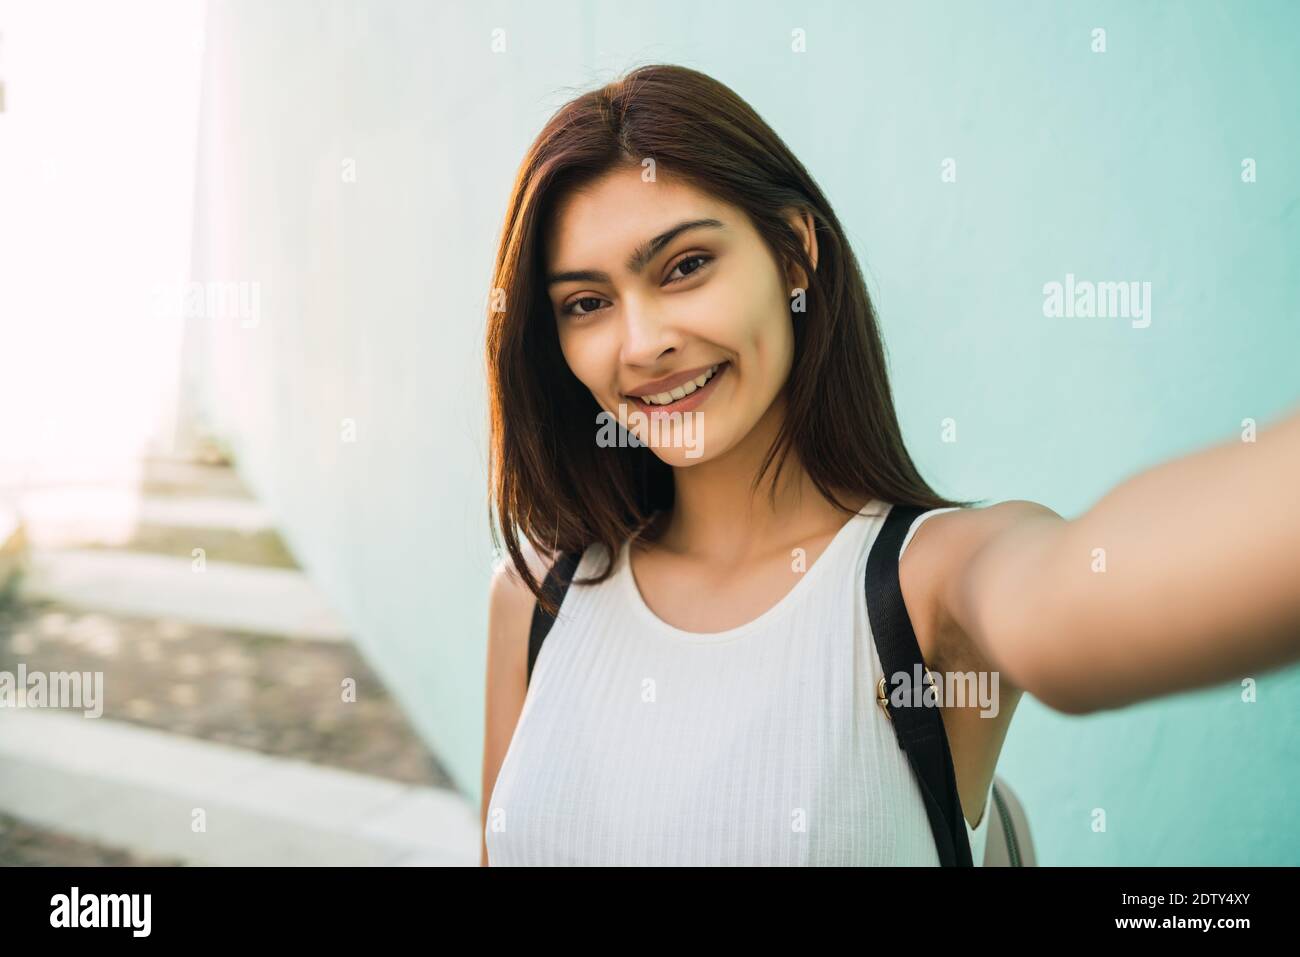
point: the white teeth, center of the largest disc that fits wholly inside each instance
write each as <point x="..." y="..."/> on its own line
<point x="682" y="391"/>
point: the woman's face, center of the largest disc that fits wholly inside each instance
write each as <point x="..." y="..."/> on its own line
<point x="646" y="302"/>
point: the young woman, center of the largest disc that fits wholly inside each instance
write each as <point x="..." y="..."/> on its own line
<point x="707" y="693"/>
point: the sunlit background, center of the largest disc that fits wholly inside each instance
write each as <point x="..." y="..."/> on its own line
<point x="245" y="250"/>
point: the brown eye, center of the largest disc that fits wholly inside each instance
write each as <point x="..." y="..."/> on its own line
<point x="698" y="258"/>
<point x="569" y="310"/>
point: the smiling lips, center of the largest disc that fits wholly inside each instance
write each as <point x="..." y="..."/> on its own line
<point x="683" y="397"/>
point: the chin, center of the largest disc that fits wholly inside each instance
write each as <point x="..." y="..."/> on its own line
<point x="680" y="439"/>
<point x="681" y="458"/>
<point x="687" y="444"/>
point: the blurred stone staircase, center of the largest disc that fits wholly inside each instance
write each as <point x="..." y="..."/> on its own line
<point x="226" y="736"/>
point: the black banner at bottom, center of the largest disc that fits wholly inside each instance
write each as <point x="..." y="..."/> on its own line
<point x="336" y="905"/>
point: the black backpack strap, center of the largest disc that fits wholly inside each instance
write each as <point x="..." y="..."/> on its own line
<point x="920" y="730"/>
<point x="555" y="585"/>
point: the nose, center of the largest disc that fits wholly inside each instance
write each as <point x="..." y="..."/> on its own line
<point x="648" y="336"/>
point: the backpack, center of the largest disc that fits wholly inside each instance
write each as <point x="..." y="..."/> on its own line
<point x="920" y="730"/>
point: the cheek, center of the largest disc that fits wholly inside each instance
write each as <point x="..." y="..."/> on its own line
<point x="590" y="358"/>
<point x="734" y="315"/>
<point x="762" y="337"/>
<point x="575" y="356"/>
<point x="780" y="346"/>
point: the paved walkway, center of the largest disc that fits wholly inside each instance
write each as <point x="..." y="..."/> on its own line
<point x="226" y="737"/>
<point x="166" y="795"/>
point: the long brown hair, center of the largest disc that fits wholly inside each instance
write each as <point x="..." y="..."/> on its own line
<point x="550" y="479"/>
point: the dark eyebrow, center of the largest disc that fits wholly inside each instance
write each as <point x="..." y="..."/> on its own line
<point x="642" y="255"/>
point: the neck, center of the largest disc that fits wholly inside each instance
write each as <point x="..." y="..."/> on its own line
<point x="715" y="515"/>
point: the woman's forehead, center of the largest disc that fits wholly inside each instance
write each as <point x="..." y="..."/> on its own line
<point x="607" y="218"/>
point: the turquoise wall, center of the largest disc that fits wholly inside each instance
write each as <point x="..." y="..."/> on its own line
<point x="1123" y="165"/>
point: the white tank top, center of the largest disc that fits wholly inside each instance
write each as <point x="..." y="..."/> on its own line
<point x="643" y="744"/>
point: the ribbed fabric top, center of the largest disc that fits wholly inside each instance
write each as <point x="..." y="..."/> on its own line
<point x="643" y="744"/>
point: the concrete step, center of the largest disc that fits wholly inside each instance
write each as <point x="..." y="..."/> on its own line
<point x="107" y="514"/>
<point x="177" y="477"/>
<point x="23" y="844"/>
<point x="126" y="786"/>
<point x="227" y="529"/>
<point x="257" y="599"/>
<point x="317" y="701"/>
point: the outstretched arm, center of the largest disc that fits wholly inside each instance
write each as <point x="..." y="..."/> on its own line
<point x="1183" y="576"/>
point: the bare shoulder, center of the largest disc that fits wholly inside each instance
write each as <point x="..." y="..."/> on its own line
<point x="953" y="535"/>
<point x="510" y="601"/>
<point x="944" y="545"/>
